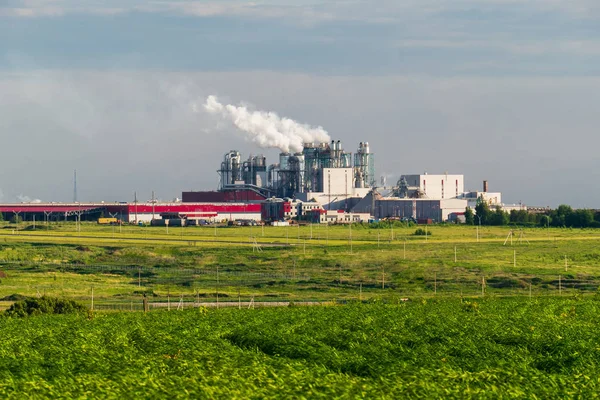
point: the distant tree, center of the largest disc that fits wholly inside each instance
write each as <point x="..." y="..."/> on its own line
<point x="482" y="210"/>
<point x="498" y="217"/>
<point x="469" y="216"/>
<point x="579" y="218"/>
<point x="559" y="216"/>
<point x="16" y="219"/>
<point x="1" y="217"/>
<point x="544" y="220"/>
<point x="519" y="216"/>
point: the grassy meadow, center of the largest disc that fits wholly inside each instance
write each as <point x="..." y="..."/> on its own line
<point x="305" y="263"/>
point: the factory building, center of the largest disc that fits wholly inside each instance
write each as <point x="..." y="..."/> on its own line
<point x="320" y="216"/>
<point x="322" y="172"/>
<point x="418" y="209"/>
<point x="430" y="186"/>
<point x="132" y="212"/>
<point x="437" y="198"/>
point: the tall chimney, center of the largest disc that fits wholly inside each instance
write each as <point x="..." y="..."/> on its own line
<point x="485" y="186"/>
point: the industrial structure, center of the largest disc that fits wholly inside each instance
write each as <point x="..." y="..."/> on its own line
<point x="133" y="212"/>
<point x="322" y="172"/>
<point x="435" y="198"/>
<point x="322" y="183"/>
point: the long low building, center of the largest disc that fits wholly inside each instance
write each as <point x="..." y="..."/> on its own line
<point x="436" y="210"/>
<point x="130" y="212"/>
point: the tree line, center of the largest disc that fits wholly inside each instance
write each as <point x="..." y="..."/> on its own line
<point x="563" y="216"/>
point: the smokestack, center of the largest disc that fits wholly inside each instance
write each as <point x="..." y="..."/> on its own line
<point x="485" y="186"/>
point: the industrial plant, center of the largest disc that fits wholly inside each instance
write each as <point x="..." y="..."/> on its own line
<point x="323" y="183"/>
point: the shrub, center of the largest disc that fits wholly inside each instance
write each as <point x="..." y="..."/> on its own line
<point x="422" y="232"/>
<point x="44" y="305"/>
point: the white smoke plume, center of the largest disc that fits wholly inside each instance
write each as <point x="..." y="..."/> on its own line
<point x="267" y="129"/>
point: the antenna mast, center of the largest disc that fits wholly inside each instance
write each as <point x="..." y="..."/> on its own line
<point x="74" y="186"/>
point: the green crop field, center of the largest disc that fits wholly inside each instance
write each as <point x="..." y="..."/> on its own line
<point x="461" y="312"/>
<point x="438" y="348"/>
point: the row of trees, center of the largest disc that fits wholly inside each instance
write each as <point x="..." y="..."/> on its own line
<point x="563" y="216"/>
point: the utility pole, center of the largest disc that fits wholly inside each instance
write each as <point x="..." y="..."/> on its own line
<point x="153" y="205"/>
<point x="74" y="186"/>
<point x="135" y="206"/>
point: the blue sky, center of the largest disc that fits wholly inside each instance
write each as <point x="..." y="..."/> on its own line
<point x="503" y="90"/>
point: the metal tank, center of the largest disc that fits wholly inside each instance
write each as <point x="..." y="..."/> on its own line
<point x="364" y="162"/>
<point x="231" y="168"/>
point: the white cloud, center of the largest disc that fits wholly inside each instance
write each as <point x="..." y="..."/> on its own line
<point x="307" y="11"/>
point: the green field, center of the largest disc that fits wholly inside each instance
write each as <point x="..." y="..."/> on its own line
<point x="438" y="348"/>
<point x="308" y="263"/>
<point x="399" y="315"/>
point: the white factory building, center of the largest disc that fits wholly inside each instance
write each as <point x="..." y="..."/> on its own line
<point x="339" y="191"/>
<point x="428" y="197"/>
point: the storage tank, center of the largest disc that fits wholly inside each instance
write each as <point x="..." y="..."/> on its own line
<point x="231" y="168"/>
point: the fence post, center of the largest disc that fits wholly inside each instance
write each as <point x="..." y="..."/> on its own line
<point x="559" y="286"/>
<point x="360" y="292"/>
<point x="482" y="286"/>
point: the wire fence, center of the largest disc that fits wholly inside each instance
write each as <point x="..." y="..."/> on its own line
<point x="140" y="288"/>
